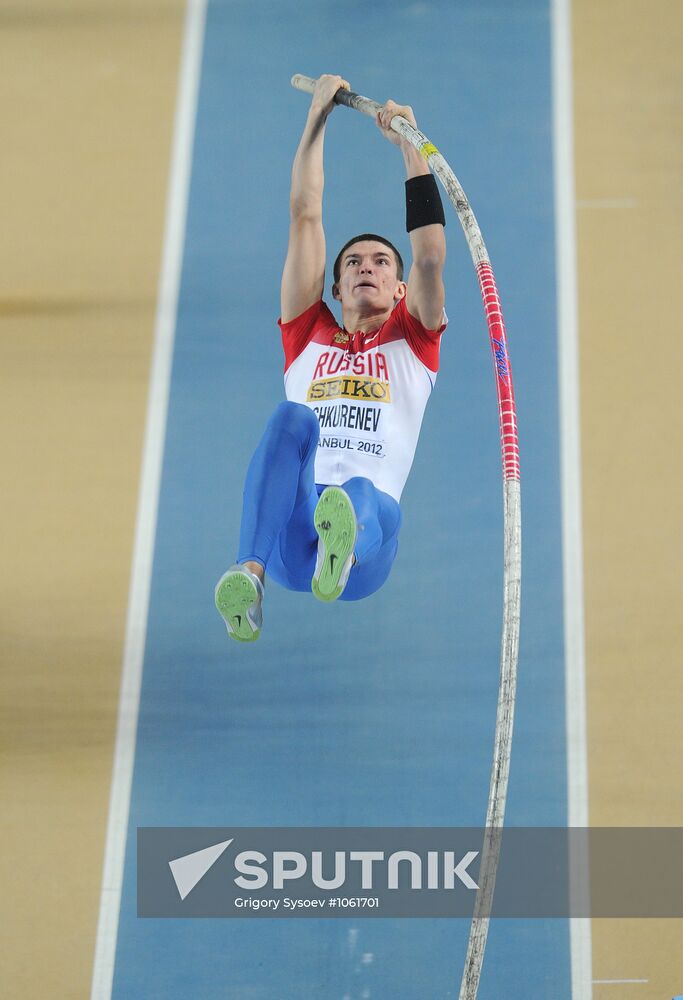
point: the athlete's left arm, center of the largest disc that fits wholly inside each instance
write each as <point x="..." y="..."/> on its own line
<point x="425" y="296"/>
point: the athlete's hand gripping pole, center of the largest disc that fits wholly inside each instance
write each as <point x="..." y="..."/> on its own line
<point x="355" y="101"/>
<point x="495" y="811"/>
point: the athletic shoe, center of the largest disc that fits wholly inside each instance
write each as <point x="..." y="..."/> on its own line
<point x="335" y="522"/>
<point x="239" y="595"/>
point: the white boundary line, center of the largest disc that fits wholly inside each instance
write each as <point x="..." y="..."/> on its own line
<point x="148" y="498"/>
<point x="570" y="449"/>
<point x="613" y="982"/>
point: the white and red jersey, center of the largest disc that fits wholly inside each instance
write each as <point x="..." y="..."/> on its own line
<point x="368" y="390"/>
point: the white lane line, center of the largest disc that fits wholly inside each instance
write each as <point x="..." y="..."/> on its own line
<point x="619" y="981"/>
<point x="570" y="457"/>
<point x="607" y="203"/>
<point x="148" y="497"/>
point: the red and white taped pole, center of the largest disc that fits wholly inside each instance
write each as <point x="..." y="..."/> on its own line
<point x="495" y="811"/>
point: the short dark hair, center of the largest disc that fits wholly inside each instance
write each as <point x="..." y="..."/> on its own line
<point x="360" y="239"/>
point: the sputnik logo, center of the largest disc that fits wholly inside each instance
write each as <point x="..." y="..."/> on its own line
<point x="191" y="868"/>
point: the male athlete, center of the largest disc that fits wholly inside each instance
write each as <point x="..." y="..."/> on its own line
<point x="321" y="497"/>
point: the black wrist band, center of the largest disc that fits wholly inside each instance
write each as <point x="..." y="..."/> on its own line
<point x="423" y="202"/>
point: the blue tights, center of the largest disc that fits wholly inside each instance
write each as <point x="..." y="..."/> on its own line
<point x="280" y="495"/>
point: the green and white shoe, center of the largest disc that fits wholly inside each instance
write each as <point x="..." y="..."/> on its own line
<point x="335" y="522"/>
<point x="239" y="597"/>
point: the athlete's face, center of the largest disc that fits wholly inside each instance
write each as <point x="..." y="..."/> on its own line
<point x="368" y="277"/>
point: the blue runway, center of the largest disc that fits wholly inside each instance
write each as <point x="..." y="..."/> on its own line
<point x="378" y="713"/>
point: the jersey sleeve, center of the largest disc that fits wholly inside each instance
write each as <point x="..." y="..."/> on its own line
<point x="299" y="332"/>
<point x="423" y="343"/>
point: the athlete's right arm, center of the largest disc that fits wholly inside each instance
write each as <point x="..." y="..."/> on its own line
<point x="303" y="276"/>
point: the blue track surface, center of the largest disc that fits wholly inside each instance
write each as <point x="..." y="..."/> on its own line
<point x="378" y="713"/>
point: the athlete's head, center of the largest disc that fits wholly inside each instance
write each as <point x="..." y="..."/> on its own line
<point x="368" y="271"/>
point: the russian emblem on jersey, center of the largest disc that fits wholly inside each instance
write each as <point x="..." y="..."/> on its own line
<point x="341" y="337"/>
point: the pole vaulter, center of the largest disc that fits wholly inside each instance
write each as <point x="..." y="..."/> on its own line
<point x="495" y="811"/>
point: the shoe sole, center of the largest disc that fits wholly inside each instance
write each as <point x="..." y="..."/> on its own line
<point x="235" y="593"/>
<point x="335" y="522"/>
